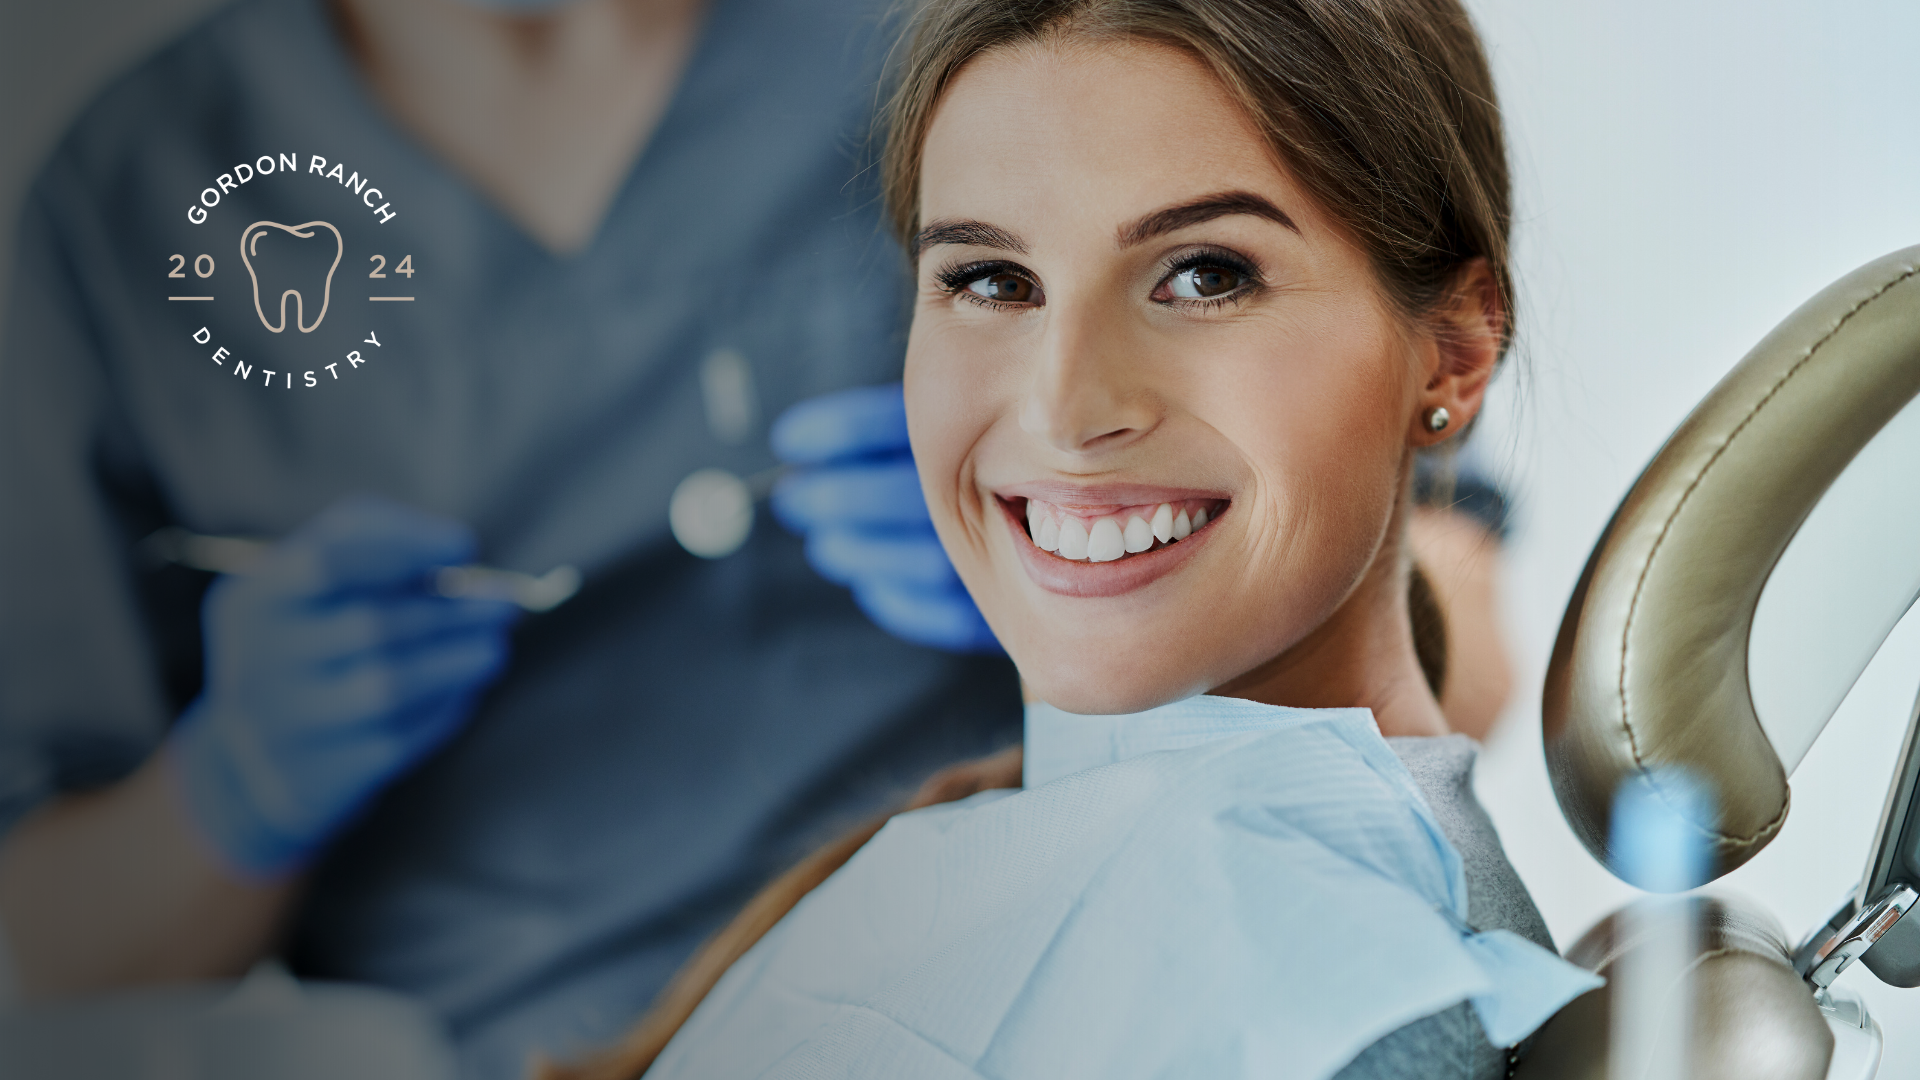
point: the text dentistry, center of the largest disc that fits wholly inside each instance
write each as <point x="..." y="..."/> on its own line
<point x="353" y="360"/>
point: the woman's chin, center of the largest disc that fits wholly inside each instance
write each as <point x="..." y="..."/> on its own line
<point x="1107" y="687"/>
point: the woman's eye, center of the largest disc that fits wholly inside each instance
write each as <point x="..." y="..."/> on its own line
<point x="1202" y="282"/>
<point x="1002" y="288"/>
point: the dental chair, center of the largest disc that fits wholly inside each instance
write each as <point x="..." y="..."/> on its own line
<point x="1674" y="625"/>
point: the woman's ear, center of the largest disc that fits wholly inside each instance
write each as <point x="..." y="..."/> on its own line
<point x="1468" y="331"/>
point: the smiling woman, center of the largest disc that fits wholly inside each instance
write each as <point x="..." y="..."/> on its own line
<point x="1166" y="314"/>
<point x="1197" y="280"/>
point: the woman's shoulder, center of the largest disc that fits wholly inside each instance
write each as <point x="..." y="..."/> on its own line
<point x="1442" y="767"/>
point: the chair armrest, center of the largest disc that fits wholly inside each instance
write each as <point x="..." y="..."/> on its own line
<point x="1753" y="1018"/>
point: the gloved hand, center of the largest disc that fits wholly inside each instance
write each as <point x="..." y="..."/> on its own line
<point x="857" y="501"/>
<point x="331" y="669"/>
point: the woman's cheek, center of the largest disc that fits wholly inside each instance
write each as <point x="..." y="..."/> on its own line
<point x="1318" y="426"/>
<point x="941" y="420"/>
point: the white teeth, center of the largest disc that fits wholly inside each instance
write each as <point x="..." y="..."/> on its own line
<point x="1163" y="523"/>
<point x="1048" y="535"/>
<point x="1073" y="539"/>
<point x="1107" y="539"/>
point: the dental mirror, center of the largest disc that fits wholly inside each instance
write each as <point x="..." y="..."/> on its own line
<point x="711" y="511"/>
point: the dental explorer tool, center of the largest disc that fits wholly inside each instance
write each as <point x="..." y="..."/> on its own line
<point x="236" y="555"/>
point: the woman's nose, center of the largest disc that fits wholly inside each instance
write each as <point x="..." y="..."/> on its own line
<point x="1087" y="394"/>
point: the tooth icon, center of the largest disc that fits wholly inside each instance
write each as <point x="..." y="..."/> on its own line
<point x="287" y="255"/>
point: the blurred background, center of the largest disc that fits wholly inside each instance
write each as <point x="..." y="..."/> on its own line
<point x="1687" y="174"/>
<point x="53" y="57"/>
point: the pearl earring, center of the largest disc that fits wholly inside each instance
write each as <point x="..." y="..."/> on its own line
<point x="1438" y="419"/>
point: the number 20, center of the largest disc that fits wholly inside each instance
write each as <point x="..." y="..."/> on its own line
<point x="180" y="266"/>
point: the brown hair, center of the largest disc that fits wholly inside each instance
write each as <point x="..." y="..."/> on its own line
<point x="1385" y="111"/>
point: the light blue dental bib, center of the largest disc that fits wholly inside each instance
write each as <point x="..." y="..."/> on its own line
<point x="1214" y="888"/>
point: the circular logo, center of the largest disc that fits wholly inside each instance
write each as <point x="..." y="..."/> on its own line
<point x="296" y="304"/>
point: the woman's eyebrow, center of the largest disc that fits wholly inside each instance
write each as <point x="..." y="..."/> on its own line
<point x="976" y="233"/>
<point x="1207" y="208"/>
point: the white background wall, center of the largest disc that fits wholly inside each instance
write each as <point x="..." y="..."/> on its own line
<point x="1688" y="172"/>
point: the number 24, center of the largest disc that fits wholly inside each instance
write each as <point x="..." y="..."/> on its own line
<point x="405" y="267"/>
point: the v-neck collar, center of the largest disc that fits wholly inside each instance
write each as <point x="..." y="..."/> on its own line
<point x="336" y="63"/>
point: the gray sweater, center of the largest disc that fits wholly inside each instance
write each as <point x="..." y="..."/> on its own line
<point x="1450" y="1044"/>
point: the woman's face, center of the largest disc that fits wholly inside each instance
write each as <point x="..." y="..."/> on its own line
<point x="1159" y="405"/>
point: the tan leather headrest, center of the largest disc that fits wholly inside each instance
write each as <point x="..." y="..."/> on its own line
<point x="1752" y="1017"/>
<point x="1650" y="668"/>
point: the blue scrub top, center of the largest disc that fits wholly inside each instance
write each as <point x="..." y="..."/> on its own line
<point x="665" y="741"/>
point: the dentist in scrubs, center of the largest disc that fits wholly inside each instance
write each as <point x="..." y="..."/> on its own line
<point x="642" y="232"/>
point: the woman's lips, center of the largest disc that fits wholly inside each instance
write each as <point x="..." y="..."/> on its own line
<point x="1107" y="542"/>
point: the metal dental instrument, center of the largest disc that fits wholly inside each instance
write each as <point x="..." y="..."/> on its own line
<point x="711" y="511"/>
<point x="1876" y="924"/>
<point x="235" y="555"/>
<point x="1828" y="959"/>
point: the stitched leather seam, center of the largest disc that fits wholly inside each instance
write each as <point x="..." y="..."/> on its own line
<point x="1768" y="830"/>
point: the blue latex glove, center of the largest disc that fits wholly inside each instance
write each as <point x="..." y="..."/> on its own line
<point x="331" y="670"/>
<point x="857" y="501"/>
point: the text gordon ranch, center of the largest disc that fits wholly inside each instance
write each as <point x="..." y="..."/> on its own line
<point x="268" y="164"/>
